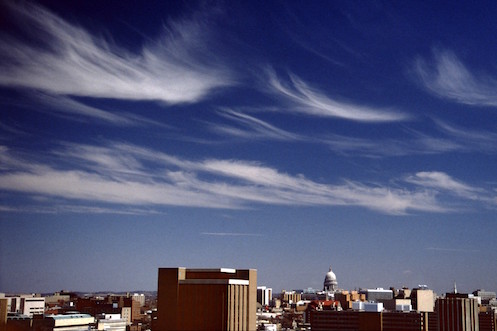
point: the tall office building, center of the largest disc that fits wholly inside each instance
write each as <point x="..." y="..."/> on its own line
<point x="264" y="295"/>
<point x="206" y="299"/>
<point x="457" y="312"/>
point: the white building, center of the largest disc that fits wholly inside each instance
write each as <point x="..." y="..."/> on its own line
<point x="377" y="294"/>
<point x="367" y="306"/>
<point x="264" y="295"/>
<point x="69" y="322"/>
<point x="111" y="322"/>
<point x="30" y="306"/>
<point x="373" y="306"/>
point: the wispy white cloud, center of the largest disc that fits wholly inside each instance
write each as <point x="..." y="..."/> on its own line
<point x="74" y="110"/>
<point x="411" y="145"/>
<point x="12" y="129"/>
<point x="445" y="138"/>
<point x="471" y="140"/>
<point x="66" y="59"/>
<point x="442" y="181"/>
<point x="67" y="105"/>
<point x="304" y="99"/>
<point x="231" y="234"/>
<point x="250" y="127"/>
<point x="76" y="209"/>
<point x="447" y="77"/>
<point x="130" y="175"/>
<point x="455" y="250"/>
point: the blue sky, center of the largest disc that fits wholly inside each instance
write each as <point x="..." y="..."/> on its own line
<point x="281" y="136"/>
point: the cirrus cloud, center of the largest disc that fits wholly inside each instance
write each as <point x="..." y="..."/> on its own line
<point x="131" y="175"/>
<point x="67" y="59"/>
<point x="307" y="100"/>
<point x="447" y="77"/>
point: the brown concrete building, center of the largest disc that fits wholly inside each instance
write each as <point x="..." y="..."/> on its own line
<point x="3" y="314"/>
<point x="487" y="320"/>
<point x="402" y="321"/>
<point x="457" y="312"/>
<point x="206" y="299"/>
<point x="330" y="320"/>
<point x="95" y="306"/>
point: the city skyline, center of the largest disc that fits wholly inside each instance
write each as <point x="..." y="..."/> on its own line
<point x="278" y="136"/>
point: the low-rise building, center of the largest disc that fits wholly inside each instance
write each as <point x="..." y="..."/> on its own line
<point x="111" y="322"/>
<point x="377" y="294"/>
<point x="68" y="322"/>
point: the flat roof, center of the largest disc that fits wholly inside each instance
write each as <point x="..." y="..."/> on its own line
<point x="69" y="316"/>
<point x="224" y="270"/>
<point x="215" y="281"/>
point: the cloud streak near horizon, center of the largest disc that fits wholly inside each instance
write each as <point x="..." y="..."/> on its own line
<point x="68" y="60"/>
<point x="130" y="175"/>
<point x="231" y="234"/>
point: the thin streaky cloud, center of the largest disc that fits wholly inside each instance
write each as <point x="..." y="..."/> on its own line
<point x="484" y="141"/>
<point x="65" y="105"/>
<point x="453" y="139"/>
<point x="308" y="40"/>
<point x="69" y="108"/>
<point x="448" y="138"/>
<point x="419" y="144"/>
<point x="251" y="127"/>
<point x="76" y="209"/>
<point x="442" y="181"/>
<point x="231" y="234"/>
<point x="13" y="130"/>
<point x="130" y="175"/>
<point x="306" y="100"/>
<point x="69" y="60"/>
<point x="447" y="77"/>
<point x="455" y="250"/>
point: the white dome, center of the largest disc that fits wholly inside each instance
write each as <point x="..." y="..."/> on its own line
<point x="330" y="281"/>
<point x="330" y="277"/>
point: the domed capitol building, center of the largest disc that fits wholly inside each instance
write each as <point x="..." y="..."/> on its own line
<point x="330" y="284"/>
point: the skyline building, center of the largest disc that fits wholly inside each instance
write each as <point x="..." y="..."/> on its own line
<point x="457" y="312"/>
<point x="330" y="284"/>
<point x="264" y="295"/>
<point x="206" y="299"/>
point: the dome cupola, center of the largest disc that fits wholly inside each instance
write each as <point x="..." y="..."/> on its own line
<point x="330" y="281"/>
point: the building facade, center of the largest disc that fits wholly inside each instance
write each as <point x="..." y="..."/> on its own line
<point x="264" y="295"/>
<point x="206" y="299"/>
<point x="329" y="320"/>
<point x="457" y="312"/>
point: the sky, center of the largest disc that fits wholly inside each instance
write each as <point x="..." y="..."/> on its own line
<point x="284" y="136"/>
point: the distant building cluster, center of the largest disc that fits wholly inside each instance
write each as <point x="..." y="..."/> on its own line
<point x="67" y="311"/>
<point x="378" y="309"/>
<point x="229" y="299"/>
